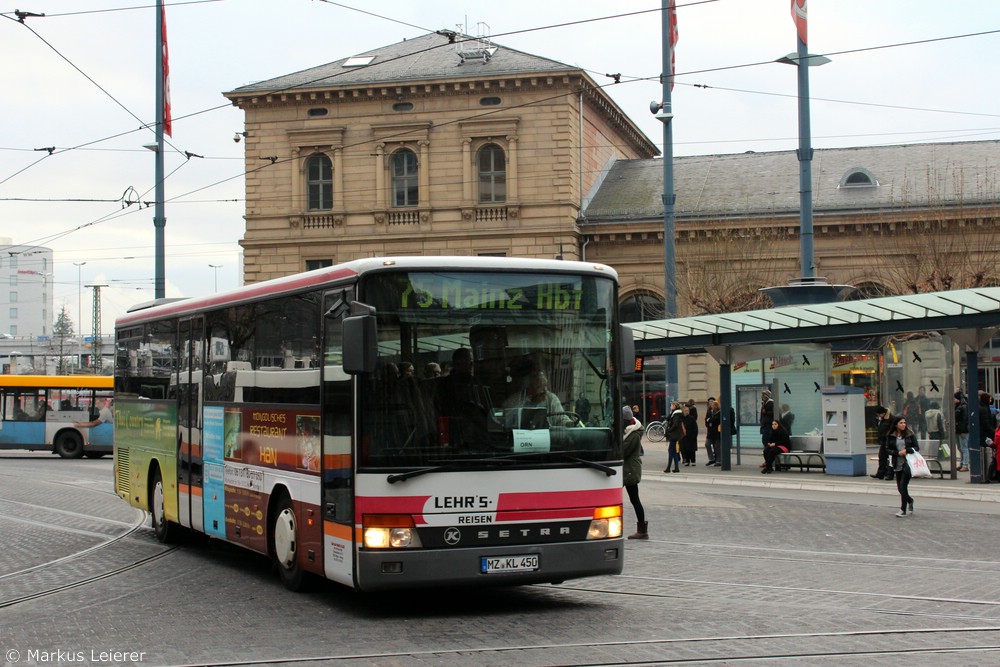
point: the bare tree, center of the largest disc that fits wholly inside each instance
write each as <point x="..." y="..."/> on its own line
<point x="931" y="254"/>
<point x="728" y="276"/>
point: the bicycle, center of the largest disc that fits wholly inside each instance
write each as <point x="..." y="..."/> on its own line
<point x="655" y="431"/>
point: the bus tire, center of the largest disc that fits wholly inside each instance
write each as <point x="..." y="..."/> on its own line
<point x="69" y="445"/>
<point x="284" y="544"/>
<point x="166" y="531"/>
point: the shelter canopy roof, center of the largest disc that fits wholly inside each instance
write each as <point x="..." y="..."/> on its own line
<point x="967" y="309"/>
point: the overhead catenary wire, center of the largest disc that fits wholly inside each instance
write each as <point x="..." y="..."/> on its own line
<point x="174" y="199"/>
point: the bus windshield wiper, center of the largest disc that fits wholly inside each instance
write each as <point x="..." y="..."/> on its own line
<point x="453" y="465"/>
<point x="607" y="470"/>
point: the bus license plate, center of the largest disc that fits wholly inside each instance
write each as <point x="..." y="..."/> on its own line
<point x="525" y="563"/>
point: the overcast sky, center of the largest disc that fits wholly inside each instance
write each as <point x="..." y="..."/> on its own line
<point x="82" y="78"/>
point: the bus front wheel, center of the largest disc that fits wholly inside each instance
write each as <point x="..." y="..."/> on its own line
<point x="69" y="445"/>
<point x="284" y="544"/>
<point x="166" y="531"/>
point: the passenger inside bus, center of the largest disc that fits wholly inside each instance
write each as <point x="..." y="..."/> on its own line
<point x="105" y="416"/>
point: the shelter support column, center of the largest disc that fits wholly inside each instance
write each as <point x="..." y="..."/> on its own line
<point x="973" y="340"/>
<point x="725" y="405"/>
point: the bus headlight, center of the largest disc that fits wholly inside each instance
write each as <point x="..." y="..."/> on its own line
<point x="607" y="523"/>
<point x="383" y="531"/>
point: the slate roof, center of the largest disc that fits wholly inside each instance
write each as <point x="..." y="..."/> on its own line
<point x="914" y="175"/>
<point x="426" y="58"/>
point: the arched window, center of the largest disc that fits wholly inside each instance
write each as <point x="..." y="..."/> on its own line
<point x="641" y="307"/>
<point x="319" y="183"/>
<point x="858" y="177"/>
<point x="405" y="189"/>
<point x="492" y="175"/>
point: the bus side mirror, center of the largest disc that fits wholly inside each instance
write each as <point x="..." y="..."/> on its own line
<point x="627" y="361"/>
<point x="360" y="344"/>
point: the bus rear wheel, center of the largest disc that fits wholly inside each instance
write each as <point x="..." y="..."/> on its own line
<point x="69" y="445"/>
<point x="166" y="531"/>
<point x="284" y="545"/>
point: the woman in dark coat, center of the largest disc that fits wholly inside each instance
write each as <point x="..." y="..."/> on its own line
<point x="632" y="471"/>
<point x="902" y="441"/>
<point x="689" y="442"/>
<point x="779" y="443"/>
<point x="675" y="431"/>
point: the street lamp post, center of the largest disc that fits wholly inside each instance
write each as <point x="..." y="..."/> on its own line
<point x="216" y="268"/>
<point x="664" y="113"/>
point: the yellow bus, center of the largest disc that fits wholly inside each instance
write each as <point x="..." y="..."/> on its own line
<point x="70" y="415"/>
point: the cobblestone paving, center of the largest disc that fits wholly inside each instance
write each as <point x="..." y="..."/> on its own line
<point x="724" y="576"/>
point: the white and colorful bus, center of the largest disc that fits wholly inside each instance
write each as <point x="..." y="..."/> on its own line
<point x="384" y="423"/>
<point x="60" y="413"/>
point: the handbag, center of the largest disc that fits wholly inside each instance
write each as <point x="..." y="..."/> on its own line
<point x="918" y="466"/>
<point x="944" y="451"/>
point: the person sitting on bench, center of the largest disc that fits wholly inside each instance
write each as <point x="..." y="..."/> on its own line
<point x="779" y="443"/>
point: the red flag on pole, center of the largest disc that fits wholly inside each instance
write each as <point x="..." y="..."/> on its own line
<point x="167" y="123"/>
<point x="799" y="16"/>
<point x="673" y="40"/>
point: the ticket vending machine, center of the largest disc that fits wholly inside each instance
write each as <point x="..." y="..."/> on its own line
<point x="844" y="430"/>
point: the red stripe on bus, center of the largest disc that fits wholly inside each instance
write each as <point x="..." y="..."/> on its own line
<point x="268" y="288"/>
<point x="533" y="515"/>
<point x="542" y="500"/>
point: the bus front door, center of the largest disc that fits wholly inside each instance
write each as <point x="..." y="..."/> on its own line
<point x="190" y="464"/>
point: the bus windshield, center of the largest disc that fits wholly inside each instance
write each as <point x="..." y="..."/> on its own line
<point x="486" y="367"/>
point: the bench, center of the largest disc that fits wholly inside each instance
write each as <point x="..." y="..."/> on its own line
<point x="804" y="460"/>
<point x="937" y="468"/>
<point x="930" y="450"/>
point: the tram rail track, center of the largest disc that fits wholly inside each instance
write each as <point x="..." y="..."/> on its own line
<point x="932" y="643"/>
<point x="10" y="577"/>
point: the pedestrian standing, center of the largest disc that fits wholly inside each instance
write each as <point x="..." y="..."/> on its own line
<point x="689" y="442"/>
<point x="902" y="441"/>
<point x="766" y="416"/>
<point x="632" y="472"/>
<point x="884" y="470"/>
<point x="713" y="432"/>
<point x="675" y="431"/>
<point x="962" y="429"/>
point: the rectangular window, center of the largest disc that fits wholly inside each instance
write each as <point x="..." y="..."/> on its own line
<point x="320" y="179"/>
<point x="313" y="264"/>
<point x="13" y="313"/>
<point x="492" y="175"/>
<point x="13" y="297"/>
<point x="13" y="279"/>
<point x="405" y="188"/>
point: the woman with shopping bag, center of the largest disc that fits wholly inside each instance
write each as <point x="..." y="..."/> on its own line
<point x="900" y="442"/>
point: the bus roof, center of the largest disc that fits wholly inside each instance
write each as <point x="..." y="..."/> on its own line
<point x="58" y="381"/>
<point x="356" y="268"/>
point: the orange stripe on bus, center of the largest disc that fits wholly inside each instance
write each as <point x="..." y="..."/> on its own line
<point x="341" y="532"/>
<point x="337" y="461"/>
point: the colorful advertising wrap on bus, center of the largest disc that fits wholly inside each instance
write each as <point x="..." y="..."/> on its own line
<point x="148" y="423"/>
<point x="238" y="443"/>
